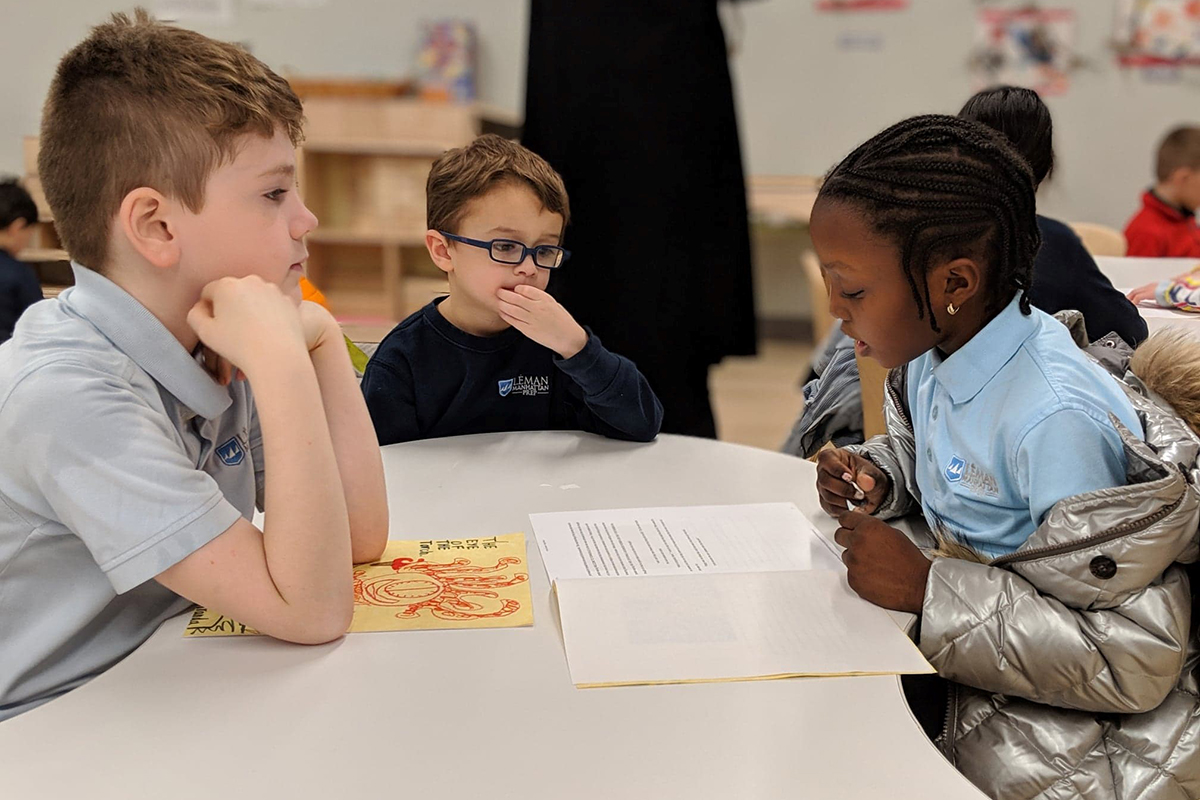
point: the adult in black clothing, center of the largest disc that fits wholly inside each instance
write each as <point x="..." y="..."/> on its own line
<point x="1064" y="273"/>
<point x="19" y="286"/>
<point x="631" y="102"/>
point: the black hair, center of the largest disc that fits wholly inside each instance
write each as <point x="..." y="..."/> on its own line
<point x="15" y="204"/>
<point x="1019" y="114"/>
<point x="943" y="187"/>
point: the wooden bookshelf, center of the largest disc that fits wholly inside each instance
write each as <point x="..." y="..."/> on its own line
<point x="45" y="252"/>
<point x="39" y="255"/>
<point x="363" y="169"/>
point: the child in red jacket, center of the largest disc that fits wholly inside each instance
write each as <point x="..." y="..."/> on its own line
<point x="1166" y="225"/>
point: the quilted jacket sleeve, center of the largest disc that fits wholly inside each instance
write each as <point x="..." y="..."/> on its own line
<point x="1098" y="623"/>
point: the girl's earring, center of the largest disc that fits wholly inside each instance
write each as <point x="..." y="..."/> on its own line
<point x="952" y="309"/>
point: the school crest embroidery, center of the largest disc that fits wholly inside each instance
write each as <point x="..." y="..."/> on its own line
<point x="506" y="387"/>
<point x="954" y="470"/>
<point x="231" y="452"/>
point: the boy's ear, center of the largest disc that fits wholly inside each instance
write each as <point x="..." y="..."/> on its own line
<point x="959" y="281"/>
<point x="1179" y="175"/>
<point x="439" y="251"/>
<point x="145" y="217"/>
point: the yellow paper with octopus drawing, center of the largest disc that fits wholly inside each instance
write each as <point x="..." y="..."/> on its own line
<point x="433" y="583"/>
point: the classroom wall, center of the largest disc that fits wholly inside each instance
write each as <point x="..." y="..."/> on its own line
<point x="804" y="102"/>
<point x="360" y="38"/>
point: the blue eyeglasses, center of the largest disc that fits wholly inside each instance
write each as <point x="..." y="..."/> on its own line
<point x="509" y="251"/>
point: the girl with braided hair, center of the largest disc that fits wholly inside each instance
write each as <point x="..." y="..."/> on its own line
<point x="1059" y="497"/>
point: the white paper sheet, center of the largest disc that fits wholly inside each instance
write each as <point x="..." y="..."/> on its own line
<point x="680" y="541"/>
<point x="732" y="626"/>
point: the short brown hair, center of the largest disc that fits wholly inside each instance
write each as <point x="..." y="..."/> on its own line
<point x="1179" y="148"/>
<point x="462" y="174"/>
<point x="139" y="103"/>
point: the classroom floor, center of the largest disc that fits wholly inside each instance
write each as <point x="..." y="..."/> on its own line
<point x="756" y="399"/>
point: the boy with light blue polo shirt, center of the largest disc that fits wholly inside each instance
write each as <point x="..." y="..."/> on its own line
<point x="134" y="457"/>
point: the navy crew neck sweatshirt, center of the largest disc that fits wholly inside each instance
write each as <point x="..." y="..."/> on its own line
<point x="430" y="379"/>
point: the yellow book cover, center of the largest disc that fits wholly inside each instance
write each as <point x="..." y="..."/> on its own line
<point x="421" y="585"/>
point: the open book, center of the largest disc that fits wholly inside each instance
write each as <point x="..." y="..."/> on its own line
<point x="710" y="593"/>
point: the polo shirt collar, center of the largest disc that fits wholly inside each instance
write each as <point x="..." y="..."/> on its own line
<point x="964" y="373"/>
<point x="138" y="334"/>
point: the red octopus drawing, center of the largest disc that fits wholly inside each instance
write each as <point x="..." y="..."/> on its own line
<point x="444" y="589"/>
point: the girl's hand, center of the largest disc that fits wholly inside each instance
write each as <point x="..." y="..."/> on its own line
<point x="838" y="471"/>
<point x="882" y="564"/>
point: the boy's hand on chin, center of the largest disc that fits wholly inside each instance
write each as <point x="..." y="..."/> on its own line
<point x="220" y="368"/>
<point x="540" y="317"/>
<point x="317" y="324"/>
<point x="246" y="321"/>
<point x="882" y="564"/>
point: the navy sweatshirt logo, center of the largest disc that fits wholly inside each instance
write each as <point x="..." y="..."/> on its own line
<point x="525" y="385"/>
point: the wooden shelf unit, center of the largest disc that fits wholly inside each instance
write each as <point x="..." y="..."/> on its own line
<point x="45" y="251"/>
<point x="363" y="168"/>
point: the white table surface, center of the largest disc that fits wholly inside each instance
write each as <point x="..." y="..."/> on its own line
<point x="1130" y="273"/>
<point x="1158" y="318"/>
<point x="483" y="713"/>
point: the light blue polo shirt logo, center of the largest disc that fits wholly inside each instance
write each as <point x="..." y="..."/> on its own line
<point x="231" y="453"/>
<point x="506" y="387"/>
<point x="954" y="470"/>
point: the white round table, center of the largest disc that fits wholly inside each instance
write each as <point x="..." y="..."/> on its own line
<point x="479" y="713"/>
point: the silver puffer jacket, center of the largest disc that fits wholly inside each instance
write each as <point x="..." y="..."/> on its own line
<point x="1074" y="663"/>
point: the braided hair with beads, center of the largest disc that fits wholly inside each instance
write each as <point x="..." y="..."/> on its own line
<point x="941" y="187"/>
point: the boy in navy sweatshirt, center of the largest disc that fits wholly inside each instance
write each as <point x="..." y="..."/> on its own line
<point x="499" y="353"/>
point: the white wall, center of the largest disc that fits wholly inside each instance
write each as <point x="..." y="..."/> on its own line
<point x="361" y="38"/>
<point x="803" y="102"/>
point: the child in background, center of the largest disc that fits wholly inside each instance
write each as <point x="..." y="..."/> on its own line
<point x="1064" y="274"/>
<point x="499" y="353"/>
<point x="19" y="286"/>
<point x="130" y="476"/>
<point x="1058" y="590"/>
<point x="1166" y="225"/>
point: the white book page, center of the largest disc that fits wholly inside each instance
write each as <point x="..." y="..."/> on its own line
<point x="731" y="626"/>
<point x="685" y="540"/>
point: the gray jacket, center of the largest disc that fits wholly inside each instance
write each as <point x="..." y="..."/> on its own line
<point x="1075" y="661"/>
